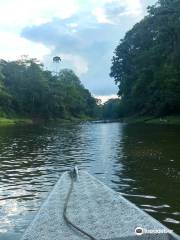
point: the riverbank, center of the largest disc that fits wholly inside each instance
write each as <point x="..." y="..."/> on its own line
<point x="130" y="120"/>
<point x="12" y="121"/>
<point x="153" y="120"/>
<point x="5" y="121"/>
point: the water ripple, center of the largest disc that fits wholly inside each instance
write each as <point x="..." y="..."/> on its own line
<point x="135" y="160"/>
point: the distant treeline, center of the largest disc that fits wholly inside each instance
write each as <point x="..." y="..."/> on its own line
<point x="110" y="109"/>
<point x="146" y="63"/>
<point x="26" y="89"/>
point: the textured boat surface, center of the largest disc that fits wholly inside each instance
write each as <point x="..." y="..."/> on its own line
<point x="96" y="209"/>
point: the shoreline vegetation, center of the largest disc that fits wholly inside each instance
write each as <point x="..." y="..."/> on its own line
<point x="145" y="67"/>
<point x="31" y="94"/>
<point x="168" y="120"/>
<point x="9" y="121"/>
<point x="14" y="121"/>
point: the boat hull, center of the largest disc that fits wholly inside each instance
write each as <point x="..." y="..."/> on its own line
<point x="94" y="208"/>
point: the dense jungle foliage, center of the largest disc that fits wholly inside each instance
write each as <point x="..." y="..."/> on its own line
<point x="146" y="63"/>
<point x="26" y="89"/>
<point x="110" y="109"/>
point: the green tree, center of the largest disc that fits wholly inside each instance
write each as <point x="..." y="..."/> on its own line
<point x="26" y="89"/>
<point x="110" y="109"/>
<point x="77" y="100"/>
<point x="146" y="63"/>
<point x="5" y="97"/>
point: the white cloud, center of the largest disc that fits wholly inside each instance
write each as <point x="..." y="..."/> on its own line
<point x="134" y="7"/>
<point x="13" y="47"/>
<point x="21" y="13"/>
<point x="100" y="15"/>
<point x="16" y="14"/>
<point x="80" y="65"/>
<point x="106" y="97"/>
<point x="111" y="10"/>
<point x="87" y="46"/>
<point x="84" y="45"/>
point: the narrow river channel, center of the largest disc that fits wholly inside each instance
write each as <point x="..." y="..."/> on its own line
<point x="140" y="161"/>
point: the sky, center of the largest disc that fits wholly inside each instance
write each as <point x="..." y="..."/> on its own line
<point x="84" y="33"/>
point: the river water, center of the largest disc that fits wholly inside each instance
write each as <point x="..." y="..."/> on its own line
<point x="140" y="161"/>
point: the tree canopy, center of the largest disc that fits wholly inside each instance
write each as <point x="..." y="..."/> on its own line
<point x="110" y="109"/>
<point x="26" y="89"/>
<point x="146" y="64"/>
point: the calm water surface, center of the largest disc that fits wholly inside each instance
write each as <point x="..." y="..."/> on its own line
<point x="140" y="161"/>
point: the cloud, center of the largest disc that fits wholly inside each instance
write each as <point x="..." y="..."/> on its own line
<point x="17" y="14"/>
<point x="85" y="45"/>
<point x="106" y="98"/>
<point x="9" y="51"/>
<point x="83" y="32"/>
<point x="34" y="12"/>
<point x="101" y="16"/>
<point x="80" y="64"/>
<point x="113" y="10"/>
